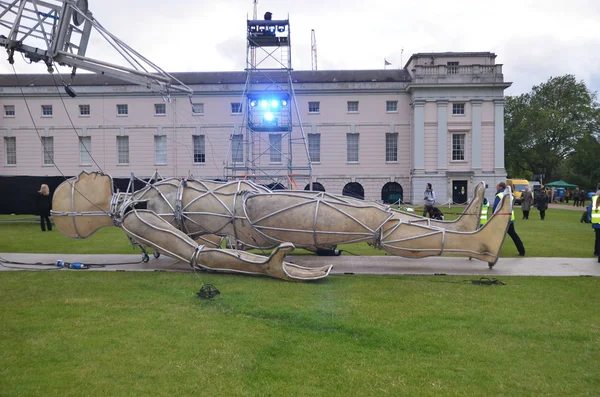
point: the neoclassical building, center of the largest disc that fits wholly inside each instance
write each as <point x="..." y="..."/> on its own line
<point x="382" y="133"/>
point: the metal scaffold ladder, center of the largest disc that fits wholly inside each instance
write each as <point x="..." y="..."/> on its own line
<point x="275" y="146"/>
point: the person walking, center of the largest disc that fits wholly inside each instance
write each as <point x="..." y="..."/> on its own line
<point x="43" y="206"/>
<point x="542" y="203"/>
<point x="429" y="198"/>
<point x="594" y="215"/>
<point x="500" y="188"/>
<point x="576" y="197"/>
<point x="526" y="202"/>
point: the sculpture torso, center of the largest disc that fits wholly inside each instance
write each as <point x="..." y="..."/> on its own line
<point x="258" y="217"/>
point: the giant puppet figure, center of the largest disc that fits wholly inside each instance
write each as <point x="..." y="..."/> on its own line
<point x="185" y="219"/>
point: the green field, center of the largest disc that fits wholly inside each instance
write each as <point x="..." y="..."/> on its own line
<point x="65" y="333"/>
<point x="560" y="235"/>
<point x="77" y="333"/>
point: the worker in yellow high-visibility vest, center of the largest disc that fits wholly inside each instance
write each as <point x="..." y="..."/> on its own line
<point x="483" y="218"/>
<point x="594" y="215"/>
<point x="511" y="228"/>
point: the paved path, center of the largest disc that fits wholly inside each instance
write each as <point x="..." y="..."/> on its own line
<point x="346" y="264"/>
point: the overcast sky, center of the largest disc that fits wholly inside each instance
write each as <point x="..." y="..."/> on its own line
<point x="533" y="39"/>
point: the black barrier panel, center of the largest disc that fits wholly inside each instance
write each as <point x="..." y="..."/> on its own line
<point x="18" y="193"/>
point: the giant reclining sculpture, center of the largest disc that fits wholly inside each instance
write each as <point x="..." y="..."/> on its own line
<point x="186" y="219"/>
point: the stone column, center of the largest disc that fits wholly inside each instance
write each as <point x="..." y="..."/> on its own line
<point x="499" y="133"/>
<point x="442" y="138"/>
<point x="418" y="146"/>
<point x="476" y="133"/>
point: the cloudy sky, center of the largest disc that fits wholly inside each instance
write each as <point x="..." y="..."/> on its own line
<point x="534" y="39"/>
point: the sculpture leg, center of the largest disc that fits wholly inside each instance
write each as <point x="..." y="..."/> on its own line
<point x="418" y="241"/>
<point x="148" y="229"/>
<point x="468" y="221"/>
<point x="322" y="221"/>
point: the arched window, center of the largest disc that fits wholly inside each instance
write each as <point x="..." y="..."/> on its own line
<point x="354" y="190"/>
<point x="275" y="186"/>
<point x="391" y="193"/>
<point x="316" y="187"/>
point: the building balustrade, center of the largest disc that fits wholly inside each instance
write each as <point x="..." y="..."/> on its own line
<point x="437" y="74"/>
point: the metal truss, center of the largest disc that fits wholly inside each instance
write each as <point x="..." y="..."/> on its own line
<point x="58" y="32"/>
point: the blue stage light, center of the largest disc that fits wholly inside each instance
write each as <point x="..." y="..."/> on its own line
<point x="284" y="103"/>
<point x="263" y="104"/>
<point x="274" y="103"/>
<point x="269" y="116"/>
<point x="253" y="103"/>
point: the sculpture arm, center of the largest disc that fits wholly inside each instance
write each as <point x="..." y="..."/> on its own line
<point x="147" y="228"/>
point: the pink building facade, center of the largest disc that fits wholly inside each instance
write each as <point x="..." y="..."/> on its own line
<point x="440" y="120"/>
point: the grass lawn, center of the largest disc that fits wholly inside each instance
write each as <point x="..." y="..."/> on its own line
<point x="69" y="333"/>
<point x="560" y="235"/>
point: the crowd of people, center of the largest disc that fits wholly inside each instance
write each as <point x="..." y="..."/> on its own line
<point x="579" y="196"/>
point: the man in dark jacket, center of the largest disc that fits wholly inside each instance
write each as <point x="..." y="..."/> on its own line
<point x="542" y="202"/>
<point x="500" y="187"/>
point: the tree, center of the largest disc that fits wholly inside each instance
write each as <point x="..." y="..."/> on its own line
<point x="544" y="127"/>
<point x="584" y="163"/>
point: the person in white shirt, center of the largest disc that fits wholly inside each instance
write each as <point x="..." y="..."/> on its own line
<point x="429" y="197"/>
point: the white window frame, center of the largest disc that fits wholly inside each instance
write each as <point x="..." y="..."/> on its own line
<point x="316" y="107"/>
<point x="124" y="107"/>
<point x="456" y="150"/>
<point x="160" y="149"/>
<point x="10" y="149"/>
<point x="199" y="148"/>
<point x="82" y="109"/>
<point x="352" y="147"/>
<point x="47" y="111"/>
<point x="314" y="148"/>
<point x="48" y="150"/>
<point x="122" y="150"/>
<point x="391" y="106"/>
<point x="85" y="156"/>
<point x="350" y="106"/>
<point x="9" y="111"/>
<point x="197" y="106"/>
<point x="456" y="109"/>
<point x="275" y="148"/>
<point x="237" y="148"/>
<point x="236" y="105"/>
<point x="160" y="109"/>
<point x="391" y="147"/>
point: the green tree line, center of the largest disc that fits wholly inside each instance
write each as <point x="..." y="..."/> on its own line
<point x="554" y="130"/>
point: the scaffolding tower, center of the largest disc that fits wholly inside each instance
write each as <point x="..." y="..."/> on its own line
<point x="270" y="147"/>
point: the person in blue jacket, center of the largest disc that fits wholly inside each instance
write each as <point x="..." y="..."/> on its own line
<point x="594" y="216"/>
<point x="500" y="187"/>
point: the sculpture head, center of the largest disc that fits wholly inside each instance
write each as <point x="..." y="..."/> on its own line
<point x="81" y="205"/>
